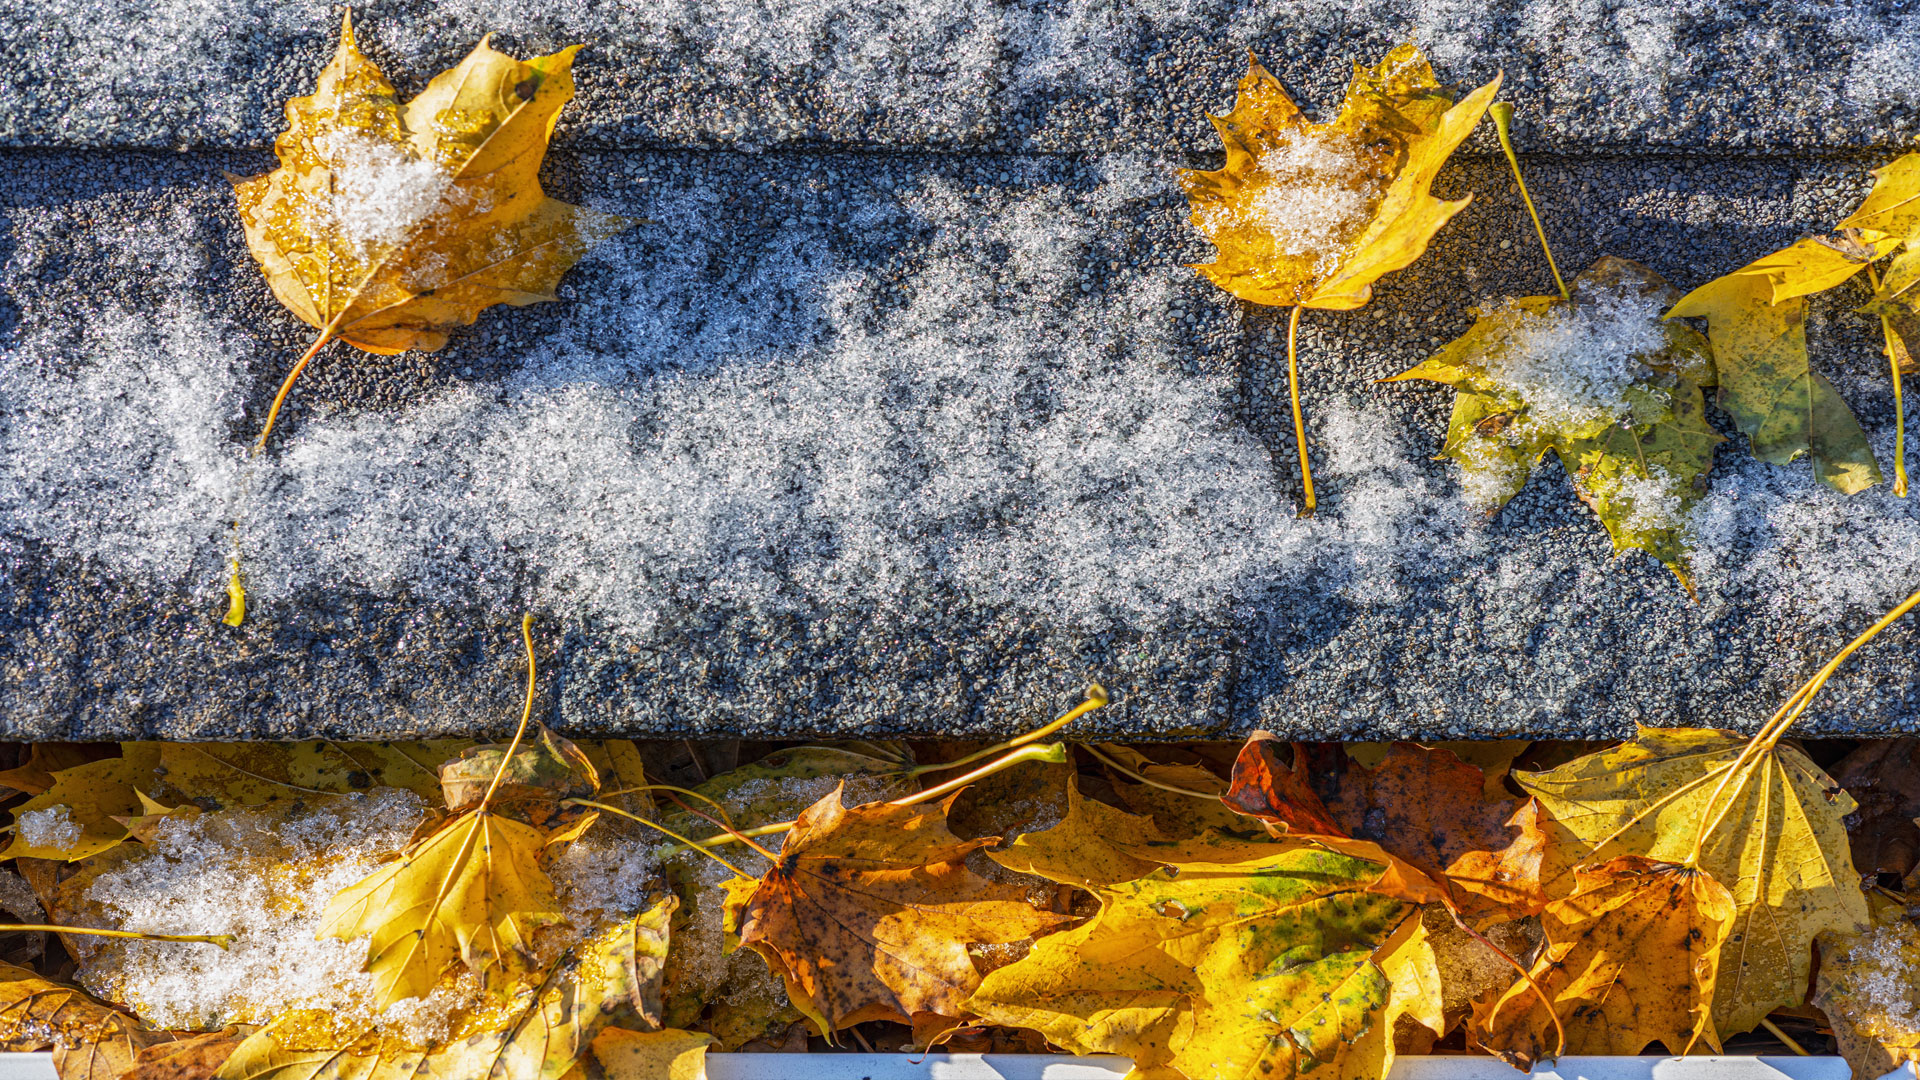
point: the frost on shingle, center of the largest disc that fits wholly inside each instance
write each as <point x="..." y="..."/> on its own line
<point x="263" y="875"/>
<point x="999" y="403"/>
<point x="948" y="67"/>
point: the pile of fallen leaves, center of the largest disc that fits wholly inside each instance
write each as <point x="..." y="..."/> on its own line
<point x="1208" y="910"/>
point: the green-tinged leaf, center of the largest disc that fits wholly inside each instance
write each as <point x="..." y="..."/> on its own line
<point x="1640" y="478"/>
<point x="1756" y="320"/>
<point x="1639" y="459"/>
<point x="1259" y="966"/>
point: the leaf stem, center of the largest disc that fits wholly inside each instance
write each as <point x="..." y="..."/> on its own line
<point x="1124" y="771"/>
<point x="1502" y="113"/>
<point x="1896" y="351"/>
<point x="1767" y="1022"/>
<point x="1790" y="710"/>
<point x="1051" y="752"/>
<point x="1096" y="699"/>
<point x="1559" y="1030"/>
<point x="526" y="716"/>
<point x="685" y="844"/>
<point x="222" y="940"/>
<point x="286" y="387"/>
<point x="1299" y="422"/>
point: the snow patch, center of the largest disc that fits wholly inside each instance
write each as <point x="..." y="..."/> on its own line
<point x="1572" y="366"/>
<point x="265" y="877"/>
<point x="52" y="828"/>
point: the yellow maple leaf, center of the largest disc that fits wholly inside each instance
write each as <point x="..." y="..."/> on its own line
<point x="84" y="812"/>
<point x="385" y="225"/>
<point x="1267" y="959"/>
<point x="1766" y="822"/>
<point x="1630" y="957"/>
<point x="471" y="891"/>
<point x="1088" y="847"/>
<point x="1630" y="459"/>
<point x="1311" y="215"/>
<point x="1867" y="991"/>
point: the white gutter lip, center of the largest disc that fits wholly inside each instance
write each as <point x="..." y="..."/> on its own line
<point x="1061" y="1067"/>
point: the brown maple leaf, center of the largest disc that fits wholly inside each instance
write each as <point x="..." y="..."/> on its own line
<point x="1421" y="803"/>
<point x="1883" y="776"/>
<point x="869" y="910"/>
<point x="1630" y="958"/>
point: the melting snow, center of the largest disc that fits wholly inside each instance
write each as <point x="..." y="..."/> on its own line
<point x="265" y="879"/>
<point x="379" y="191"/>
<point x="1574" y="364"/>
<point x="52" y="828"/>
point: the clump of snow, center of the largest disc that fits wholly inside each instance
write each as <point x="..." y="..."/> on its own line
<point x="52" y="828"/>
<point x="1655" y="501"/>
<point x="1314" y="194"/>
<point x="1572" y="365"/>
<point x="264" y="875"/>
<point x="1880" y="998"/>
<point x="607" y="873"/>
<point x="379" y="190"/>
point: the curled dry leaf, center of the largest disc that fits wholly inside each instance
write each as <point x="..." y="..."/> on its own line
<point x="869" y="911"/>
<point x="198" y="1057"/>
<point x="545" y="769"/>
<point x="1639" y="462"/>
<point x="473" y="890"/>
<point x="1369" y="173"/>
<point x="1630" y="958"/>
<point x="386" y="225"/>
<point x="1279" y="793"/>
<point x="1770" y="828"/>
<point x="1867" y="990"/>
<point x="731" y="995"/>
